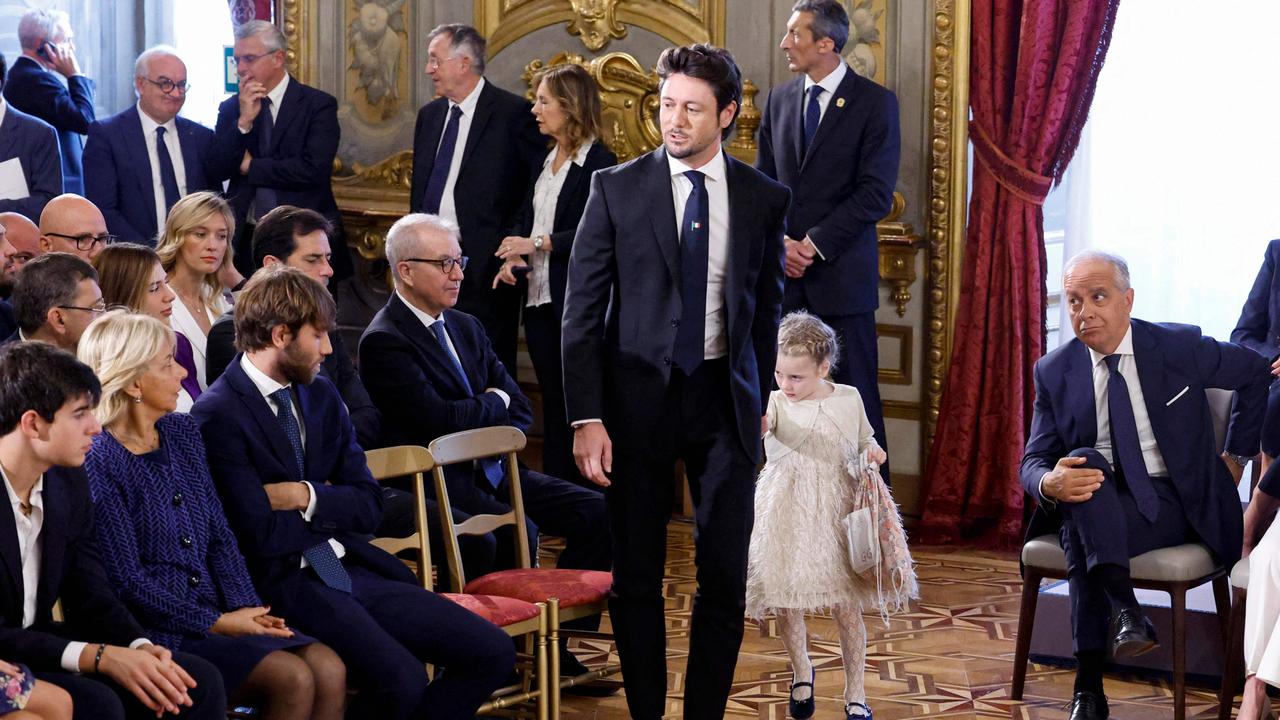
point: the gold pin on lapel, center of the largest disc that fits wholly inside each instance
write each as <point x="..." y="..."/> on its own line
<point x="839" y="102"/>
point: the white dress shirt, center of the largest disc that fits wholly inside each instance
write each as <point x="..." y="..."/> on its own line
<point x="1128" y="367"/>
<point x="427" y="321"/>
<point x="266" y="385"/>
<point x="716" y="342"/>
<point x="468" y="105"/>
<point x="276" y="96"/>
<point x="546" y="196"/>
<point x="829" y="84"/>
<point x="175" y="154"/>
<point x="30" y="552"/>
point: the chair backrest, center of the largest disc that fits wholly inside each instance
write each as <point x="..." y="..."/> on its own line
<point x="401" y="461"/>
<point x="467" y="447"/>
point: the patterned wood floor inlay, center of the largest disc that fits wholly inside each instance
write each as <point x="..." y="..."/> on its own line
<point x="949" y="657"/>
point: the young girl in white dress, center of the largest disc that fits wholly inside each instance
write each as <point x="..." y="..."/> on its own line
<point x="799" y="560"/>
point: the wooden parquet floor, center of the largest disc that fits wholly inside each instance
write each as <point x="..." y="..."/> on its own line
<point x="950" y="657"/>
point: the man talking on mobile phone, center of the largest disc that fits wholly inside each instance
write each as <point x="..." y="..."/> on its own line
<point x="48" y="48"/>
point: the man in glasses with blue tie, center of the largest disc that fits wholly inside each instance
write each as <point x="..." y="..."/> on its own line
<point x="476" y="152"/>
<point x="669" y="342"/>
<point x="146" y="157"/>
<point x="833" y="138"/>
<point x="300" y="500"/>
<point x="1121" y="457"/>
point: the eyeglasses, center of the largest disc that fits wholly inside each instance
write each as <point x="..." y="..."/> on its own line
<point x="97" y="309"/>
<point x="446" y="265"/>
<point x="167" y="86"/>
<point x="433" y="63"/>
<point x="87" y="241"/>
<point x="250" y="59"/>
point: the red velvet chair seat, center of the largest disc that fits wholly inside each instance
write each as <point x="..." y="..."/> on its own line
<point x="500" y="611"/>
<point x="571" y="587"/>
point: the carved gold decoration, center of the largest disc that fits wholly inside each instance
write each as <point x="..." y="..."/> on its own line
<point x="394" y="173"/>
<point x="377" y="45"/>
<point x="903" y="334"/>
<point x="294" y="22"/>
<point x="947" y="193"/>
<point x="743" y="146"/>
<point x="898" y="246"/>
<point x="680" y="21"/>
<point x="596" y="23"/>
<point x="864" y="51"/>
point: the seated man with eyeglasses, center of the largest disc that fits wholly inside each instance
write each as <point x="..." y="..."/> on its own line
<point x="145" y="158"/>
<point x="431" y="371"/>
<point x="72" y="224"/>
<point x="55" y="299"/>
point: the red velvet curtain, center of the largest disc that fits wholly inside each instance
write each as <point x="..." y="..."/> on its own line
<point x="242" y="11"/>
<point x="1034" y="66"/>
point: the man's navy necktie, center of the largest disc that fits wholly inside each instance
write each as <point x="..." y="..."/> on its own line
<point x="321" y="555"/>
<point x="1125" y="446"/>
<point x="168" y="177"/>
<point x="264" y="198"/>
<point x="492" y="468"/>
<point x="444" y="159"/>
<point x="812" y="116"/>
<point x="690" y="347"/>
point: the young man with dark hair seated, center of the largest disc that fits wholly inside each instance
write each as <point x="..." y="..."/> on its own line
<point x="299" y="498"/>
<point x="99" y="655"/>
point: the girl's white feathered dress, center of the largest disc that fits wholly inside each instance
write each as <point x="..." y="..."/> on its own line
<point x="798" y="556"/>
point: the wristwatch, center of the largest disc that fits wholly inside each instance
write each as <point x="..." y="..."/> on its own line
<point x="539" y="241"/>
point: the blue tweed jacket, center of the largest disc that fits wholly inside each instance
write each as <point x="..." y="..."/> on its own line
<point x="163" y="536"/>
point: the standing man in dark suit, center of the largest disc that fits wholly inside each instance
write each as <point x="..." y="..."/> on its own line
<point x="146" y="158"/>
<point x="100" y="655"/>
<point x="832" y="137"/>
<point x="476" y="149"/>
<point x="1121" y="456"/>
<point x="670" y="336"/>
<point x="33" y="145"/>
<point x="276" y="140"/>
<point x="300" y="499"/>
<point x="47" y="48"/>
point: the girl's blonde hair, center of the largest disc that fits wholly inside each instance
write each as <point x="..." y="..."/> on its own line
<point x="186" y="215"/>
<point x="804" y="335"/>
<point x="118" y="347"/>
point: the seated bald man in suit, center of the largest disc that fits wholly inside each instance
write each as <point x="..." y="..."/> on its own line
<point x="1121" y="456"/>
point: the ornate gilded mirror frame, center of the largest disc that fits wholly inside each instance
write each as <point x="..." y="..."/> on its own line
<point x="948" y="193"/>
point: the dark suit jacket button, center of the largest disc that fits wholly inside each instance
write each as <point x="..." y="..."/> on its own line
<point x="675" y="322"/>
<point x="666" y="361"/>
<point x="193" y="581"/>
<point x="177" y="499"/>
<point x="185" y="541"/>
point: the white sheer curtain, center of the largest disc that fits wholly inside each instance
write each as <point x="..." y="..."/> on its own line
<point x="201" y="28"/>
<point x="1178" y="167"/>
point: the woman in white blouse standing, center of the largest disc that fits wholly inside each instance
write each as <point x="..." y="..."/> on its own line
<point x="195" y="252"/>
<point x="567" y="107"/>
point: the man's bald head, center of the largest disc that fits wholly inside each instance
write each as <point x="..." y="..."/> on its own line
<point x="71" y="224"/>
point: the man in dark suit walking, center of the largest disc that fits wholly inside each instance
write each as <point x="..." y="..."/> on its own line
<point x="476" y="149"/>
<point x="47" y="48"/>
<point x="300" y="499"/>
<point x="100" y="655"/>
<point x="832" y="137"/>
<point x="32" y="144"/>
<point x="669" y="341"/>
<point x="145" y="158"/>
<point x="1121" y="456"/>
<point x="276" y="139"/>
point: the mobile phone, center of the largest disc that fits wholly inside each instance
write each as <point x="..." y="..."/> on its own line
<point x="43" y="50"/>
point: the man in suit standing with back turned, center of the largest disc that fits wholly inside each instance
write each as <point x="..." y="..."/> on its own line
<point x="832" y="137"/>
<point x="475" y="150"/>
<point x="1121" y="456"/>
<point x="669" y="341"/>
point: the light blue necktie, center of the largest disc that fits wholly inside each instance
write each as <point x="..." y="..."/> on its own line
<point x="492" y="468"/>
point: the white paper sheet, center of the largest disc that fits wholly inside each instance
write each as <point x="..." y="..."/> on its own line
<point x="13" y="184"/>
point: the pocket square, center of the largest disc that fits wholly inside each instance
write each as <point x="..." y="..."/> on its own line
<point x="1174" y="399"/>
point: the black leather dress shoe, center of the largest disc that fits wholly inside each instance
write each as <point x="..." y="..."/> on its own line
<point x="1134" y="634"/>
<point x="801" y="709"/>
<point x="1088" y="705"/>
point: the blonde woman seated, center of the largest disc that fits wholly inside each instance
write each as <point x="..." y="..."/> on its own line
<point x="131" y="276"/>
<point x="174" y="560"/>
<point x="195" y="251"/>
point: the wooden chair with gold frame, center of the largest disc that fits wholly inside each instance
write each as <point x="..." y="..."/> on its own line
<point x="516" y="617"/>
<point x="568" y="594"/>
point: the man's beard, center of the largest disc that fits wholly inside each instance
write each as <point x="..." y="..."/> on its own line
<point x="295" y="368"/>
